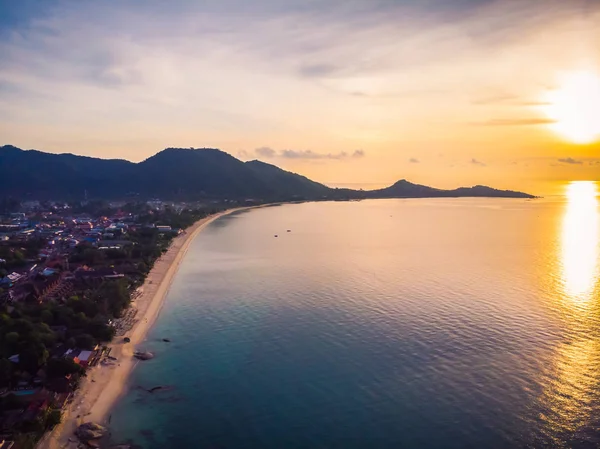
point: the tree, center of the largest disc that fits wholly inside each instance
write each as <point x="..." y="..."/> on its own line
<point x="12" y="338"/>
<point x="85" y="341"/>
<point x="48" y="339"/>
<point x="10" y="402"/>
<point x="23" y="326"/>
<point x="115" y="295"/>
<point x="62" y="367"/>
<point x="32" y="356"/>
<point x="116" y="254"/>
<point x="6" y="368"/>
<point x="53" y="419"/>
<point x="25" y="440"/>
<point x="47" y="317"/>
<point x="18" y="258"/>
<point x="100" y="330"/>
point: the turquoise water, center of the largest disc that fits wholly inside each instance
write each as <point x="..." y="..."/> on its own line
<point x="451" y="323"/>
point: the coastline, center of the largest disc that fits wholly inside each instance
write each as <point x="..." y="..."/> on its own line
<point x="105" y="384"/>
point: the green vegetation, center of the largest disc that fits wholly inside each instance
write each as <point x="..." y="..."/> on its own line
<point x="37" y="329"/>
<point x="174" y="173"/>
<point x="16" y="254"/>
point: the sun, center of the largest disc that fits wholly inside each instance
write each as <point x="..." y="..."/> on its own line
<point x="574" y="107"/>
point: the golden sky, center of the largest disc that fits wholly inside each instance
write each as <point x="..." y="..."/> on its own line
<point x="440" y="92"/>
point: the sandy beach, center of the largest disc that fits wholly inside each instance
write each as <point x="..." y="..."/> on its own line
<point x="105" y="383"/>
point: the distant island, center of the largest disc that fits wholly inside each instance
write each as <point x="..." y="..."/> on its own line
<point x="186" y="175"/>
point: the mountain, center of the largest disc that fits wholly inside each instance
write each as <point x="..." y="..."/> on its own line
<point x="288" y="183"/>
<point x="172" y="173"/>
<point x="188" y="173"/>
<point x="185" y="174"/>
<point x="405" y="189"/>
<point x="48" y="175"/>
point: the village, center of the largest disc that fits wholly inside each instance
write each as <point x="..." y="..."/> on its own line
<point x="67" y="279"/>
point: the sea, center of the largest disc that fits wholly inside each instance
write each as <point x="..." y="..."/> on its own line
<point x="401" y="323"/>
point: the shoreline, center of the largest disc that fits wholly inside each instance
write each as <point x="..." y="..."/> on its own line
<point x="105" y="384"/>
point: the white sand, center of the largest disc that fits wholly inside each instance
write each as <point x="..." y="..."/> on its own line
<point x="104" y="384"/>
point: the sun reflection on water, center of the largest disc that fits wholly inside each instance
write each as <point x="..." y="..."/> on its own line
<point x="579" y="240"/>
<point x="570" y="385"/>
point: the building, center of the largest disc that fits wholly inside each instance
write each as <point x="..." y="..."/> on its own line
<point x="83" y="358"/>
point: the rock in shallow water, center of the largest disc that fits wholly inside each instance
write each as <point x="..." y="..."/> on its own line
<point x="90" y="431"/>
<point x="143" y="355"/>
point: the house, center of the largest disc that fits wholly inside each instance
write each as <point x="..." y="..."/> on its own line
<point x="25" y="234"/>
<point x="83" y="358"/>
<point x="45" y="253"/>
<point x="22" y="291"/>
<point x="88" y="276"/>
<point x="48" y="272"/>
<point x="14" y="277"/>
<point x="163" y="228"/>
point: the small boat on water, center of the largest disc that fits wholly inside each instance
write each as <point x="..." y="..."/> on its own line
<point x="289" y="230"/>
<point x="276" y="235"/>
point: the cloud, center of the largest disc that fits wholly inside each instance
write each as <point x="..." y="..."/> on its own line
<point x="318" y="70"/>
<point x="476" y="162"/>
<point x="413" y="160"/>
<point x="570" y="160"/>
<point x="515" y="122"/>
<point x="71" y="70"/>
<point x="308" y="154"/>
<point x="494" y="99"/>
<point x="531" y="103"/>
<point x="265" y="152"/>
<point x="268" y="152"/>
<point x="506" y="99"/>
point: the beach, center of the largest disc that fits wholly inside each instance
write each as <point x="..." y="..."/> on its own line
<point x="106" y="382"/>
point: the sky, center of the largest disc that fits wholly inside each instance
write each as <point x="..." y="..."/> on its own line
<point x="346" y="92"/>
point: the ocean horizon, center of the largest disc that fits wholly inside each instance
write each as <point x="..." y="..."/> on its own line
<point x="421" y="323"/>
